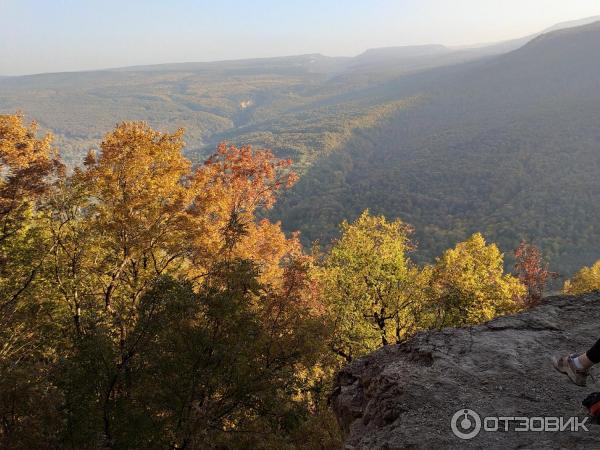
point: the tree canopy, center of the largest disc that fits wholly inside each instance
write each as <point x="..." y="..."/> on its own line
<point x="146" y="302"/>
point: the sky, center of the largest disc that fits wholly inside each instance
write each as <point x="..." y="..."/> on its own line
<point x="64" y="35"/>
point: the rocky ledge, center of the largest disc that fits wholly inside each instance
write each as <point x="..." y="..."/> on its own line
<point x="404" y="396"/>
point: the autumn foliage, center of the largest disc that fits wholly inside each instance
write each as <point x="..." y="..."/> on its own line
<point x="587" y="279"/>
<point x="533" y="273"/>
<point x="144" y="305"/>
<point x="147" y="303"/>
<point x="27" y="164"/>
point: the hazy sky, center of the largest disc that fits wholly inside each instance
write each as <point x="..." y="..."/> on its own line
<point x="59" y="35"/>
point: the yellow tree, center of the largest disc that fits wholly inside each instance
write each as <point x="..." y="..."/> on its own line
<point x="469" y="284"/>
<point x="26" y="164"/>
<point x="119" y="224"/>
<point x="146" y="213"/>
<point x="373" y="293"/>
<point x="138" y="213"/>
<point x="28" y="167"/>
<point x="586" y="280"/>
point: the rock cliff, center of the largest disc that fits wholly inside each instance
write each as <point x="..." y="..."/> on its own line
<point x="404" y="396"/>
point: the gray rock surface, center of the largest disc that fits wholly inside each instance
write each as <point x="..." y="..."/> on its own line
<point x="404" y="396"/>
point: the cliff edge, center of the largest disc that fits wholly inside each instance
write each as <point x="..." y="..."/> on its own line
<point x="405" y="396"/>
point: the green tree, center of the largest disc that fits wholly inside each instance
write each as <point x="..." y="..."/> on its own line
<point x="373" y="293"/>
<point x="469" y="285"/>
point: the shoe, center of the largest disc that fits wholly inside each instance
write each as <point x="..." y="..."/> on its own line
<point x="566" y="365"/>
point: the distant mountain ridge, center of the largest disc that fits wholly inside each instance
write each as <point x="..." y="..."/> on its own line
<point x="410" y="51"/>
<point x="572" y="24"/>
<point x="509" y="45"/>
<point x="376" y="53"/>
<point x="310" y="61"/>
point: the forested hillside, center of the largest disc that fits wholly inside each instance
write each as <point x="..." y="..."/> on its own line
<point x="203" y="98"/>
<point x="301" y="106"/>
<point x="144" y="305"/>
<point x="450" y="140"/>
<point x="191" y="253"/>
<point x="509" y="146"/>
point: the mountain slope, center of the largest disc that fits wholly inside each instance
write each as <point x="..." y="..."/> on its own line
<point x="269" y="101"/>
<point x="508" y="146"/>
<point x="205" y="98"/>
<point x="299" y="106"/>
<point x="451" y="140"/>
<point x="572" y="23"/>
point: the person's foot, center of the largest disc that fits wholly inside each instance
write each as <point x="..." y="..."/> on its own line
<point x="566" y="365"/>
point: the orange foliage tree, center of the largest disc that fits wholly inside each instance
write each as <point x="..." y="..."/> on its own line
<point x="26" y="165"/>
<point x="533" y="272"/>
